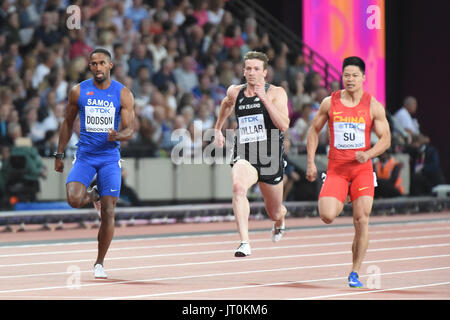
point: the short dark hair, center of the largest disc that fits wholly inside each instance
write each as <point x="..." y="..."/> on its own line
<point x="354" y="61"/>
<point x="100" y="50"/>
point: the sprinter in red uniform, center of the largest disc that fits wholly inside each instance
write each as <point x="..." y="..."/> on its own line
<point x="351" y="114"/>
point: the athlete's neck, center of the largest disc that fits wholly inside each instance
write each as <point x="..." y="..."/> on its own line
<point x="250" y="90"/>
<point x="352" y="97"/>
<point x="102" y="85"/>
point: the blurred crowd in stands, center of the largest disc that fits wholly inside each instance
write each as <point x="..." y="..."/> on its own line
<point x="178" y="57"/>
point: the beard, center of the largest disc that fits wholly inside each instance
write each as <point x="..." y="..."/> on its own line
<point x="101" y="79"/>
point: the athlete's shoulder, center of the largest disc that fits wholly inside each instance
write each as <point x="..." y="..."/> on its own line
<point x="276" y="89"/>
<point x="326" y="102"/>
<point x="233" y="90"/>
<point x="377" y="109"/>
<point x="375" y="102"/>
<point x="125" y="92"/>
<point x="74" y="92"/>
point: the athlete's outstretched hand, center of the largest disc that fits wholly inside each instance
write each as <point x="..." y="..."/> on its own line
<point x="311" y="172"/>
<point x="219" y="139"/>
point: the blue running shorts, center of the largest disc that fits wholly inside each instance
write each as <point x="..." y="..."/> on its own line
<point x="107" y="168"/>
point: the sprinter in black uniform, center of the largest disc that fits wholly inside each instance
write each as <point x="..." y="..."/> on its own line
<point x="262" y="114"/>
<point x="257" y="139"/>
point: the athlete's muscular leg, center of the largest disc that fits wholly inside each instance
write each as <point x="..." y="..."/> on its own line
<point x="106" y="230"/>
<point x="273" y="198"/>
<point x="243" y="176"/>
<point x="362" y="206"/>
<point x="78" y="196"/>
<point x="329" y="208"/>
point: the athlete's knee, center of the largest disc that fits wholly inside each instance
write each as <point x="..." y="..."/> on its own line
<point x="74" y="201"/>
<point x="361" y="220"/>
<point x="108" y="214"/>
<point x="239" y="189"/>
<point x="276" y="213"/>
<point x="327" y="218"/>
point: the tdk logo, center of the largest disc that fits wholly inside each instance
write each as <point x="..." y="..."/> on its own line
<point x="249" y="119"/>
<point x="100" y="110"/>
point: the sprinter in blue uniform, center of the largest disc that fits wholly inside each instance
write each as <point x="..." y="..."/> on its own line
<point x="102" y="104"/>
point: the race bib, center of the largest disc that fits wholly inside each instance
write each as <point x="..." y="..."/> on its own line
<point x="252" y="128"/>
<point x="99" y="119"/>
<point x="349" y="135"/>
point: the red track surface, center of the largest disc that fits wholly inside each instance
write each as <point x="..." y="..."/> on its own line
<point x="408" y="258"/>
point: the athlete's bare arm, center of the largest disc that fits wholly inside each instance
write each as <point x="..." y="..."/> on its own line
<point x="226" y="109"/>
<point x="275" y="100"/>
<point x="65" y="132"/>
<point x="127" y="118"/>
<point x="381" y="129"/>
<point x="312" y="141"/>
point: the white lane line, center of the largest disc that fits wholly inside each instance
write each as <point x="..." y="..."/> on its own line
<point x="228" y="250"/>
<point x="192" y="244"/>
<point x="233" y="273"/>
<point x="213" y="233"/>
<point x="272" y="284"/>
<point x="378" y="290"/>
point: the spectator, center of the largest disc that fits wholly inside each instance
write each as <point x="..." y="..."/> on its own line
<point x="129" y="35"/>
<point x="165" y="74"/>
<point x="425" y="166"/>
<point x="296" y="65"/>
<point x="140" y="58"/>
<point x="24" y="167"/>
<point x="250" y="28"/>
<point x="12" y="28"/>
<point x="233" y="37"/>
<point x="55" y="117"/>
<point x="137" y="13"/>
<point x="207" y="87"/>
<point x="280" y="70"/>
<point x="28" y="14"/>
<point x="142" y="76"/>
<point x="32" y="128"/>
<point x="404" y="116"/>
<point x="185" y="77"/>
<point x="8" y="72"/>
<point x="80" y="48"/>
<point x="299" y="131"/>
<point x="313" y="81"/>
<point x="201" y="11"/>
<point x="47" y="31"/>
<point x="5" y="109"/>
<point x="388" y="171"/>
<point x="215" y="11"/>
<point x="49" y="144"/>
<point x="158" y="50"/>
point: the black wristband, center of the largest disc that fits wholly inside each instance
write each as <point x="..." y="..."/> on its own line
<point x="58" y="155"/>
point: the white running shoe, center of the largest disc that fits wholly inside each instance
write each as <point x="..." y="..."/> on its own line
<point x="99" y="273"/>
<point x="243" y="250"/>
<point x="277" y="233"/>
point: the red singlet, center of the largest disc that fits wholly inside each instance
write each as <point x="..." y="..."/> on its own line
<point x="350" y="129"/>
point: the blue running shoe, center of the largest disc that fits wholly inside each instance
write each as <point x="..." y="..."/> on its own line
<point x="353" y="280"/>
